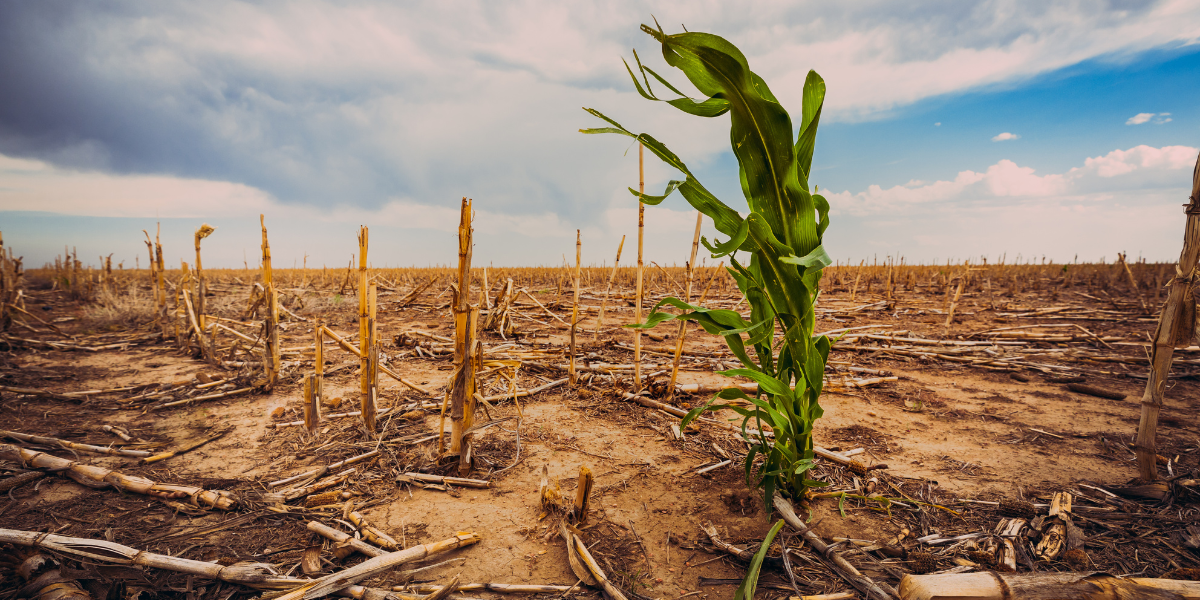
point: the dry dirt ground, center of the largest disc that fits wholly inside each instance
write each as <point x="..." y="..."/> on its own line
<point x="947" y="432"/>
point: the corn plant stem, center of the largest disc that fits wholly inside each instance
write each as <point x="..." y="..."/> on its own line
<point x="271" y="357"/>
<point x="139" y="485"/>
<point x="38" y="439"/>
<point x="364" y="334"/>
<point x="543" y="307"/>
<point x="38" y="319"/>
<point x="203" y="398"/>
<point x="340" y="537"/>
<point x="336" y="581"/>
<point x="462" y="384"/>
<point x="160" y="281"/>
<point x="608" y="287"/>
<point x="314" y="408"/>
<point x="682" y="332"/>
<point x="195" y="325"/>
<point x="637" y="333"/>
<point x="1170" y="327"/>
<point x="575" y="308"/>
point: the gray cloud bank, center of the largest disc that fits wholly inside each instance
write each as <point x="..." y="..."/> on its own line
<point x="328" y="105"/>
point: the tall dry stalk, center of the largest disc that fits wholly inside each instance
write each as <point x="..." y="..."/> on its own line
<point x="365" y="341"/>
<point x="161" y="278"/>
<point x="314" y="383"/>
<point x="637" y="310"/>
<point x="682" y="333"/>
<point x="204" y="231"/>
<point x="153" y="275"/>
<point x="462" y="388"/>
<point x="271" y="351"/>
<point x="608" y="288"/>
<point x="1176" y="328"/>
<point x="575" y="308"/>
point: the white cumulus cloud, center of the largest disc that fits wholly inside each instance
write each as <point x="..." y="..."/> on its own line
<point x="1158" y="118"/>
<point x="1006" y="136"/>
<point x="1125" y="200"/>
<point x="1006" y="180"/>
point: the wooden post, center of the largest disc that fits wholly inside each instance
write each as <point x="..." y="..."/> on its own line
<point x="1176" y="327"/>
<point x="462" y="387"/>
<point x="575" y="309"/>
<point x="637" y="310"/>
<point x="365" y="348"/>
<point x="608" y="288"/>
<point x="691" y="269"/>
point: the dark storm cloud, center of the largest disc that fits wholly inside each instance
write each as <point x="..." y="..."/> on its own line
<point x="360" y="104"/>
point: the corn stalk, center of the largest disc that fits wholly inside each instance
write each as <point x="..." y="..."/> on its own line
<point x="781" y="236"/>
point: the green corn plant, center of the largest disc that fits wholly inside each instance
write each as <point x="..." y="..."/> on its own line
<point x="780" y="235"/>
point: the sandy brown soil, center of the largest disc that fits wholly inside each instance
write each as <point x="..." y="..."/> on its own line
<point x="946" y="432"/>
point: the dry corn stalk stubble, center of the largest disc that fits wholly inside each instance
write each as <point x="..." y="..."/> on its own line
<point x="1176" y="327"/>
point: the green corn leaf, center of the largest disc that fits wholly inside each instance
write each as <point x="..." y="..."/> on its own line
<point x="731" y="245"/>
<point x="783" y="234"/>
<point x="761" y="133"/>
<point x="814" y="100"/>
<point x="746" y="590"/>
<point x="766" y="382"/>
<point x="817" y="259"/>
<point x="656" y="200"/>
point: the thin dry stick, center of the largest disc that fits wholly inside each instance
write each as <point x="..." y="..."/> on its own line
<point x="864" y="584"/>
<point x="608" y="288"/>
<point x="954" y="303"/>
<point x="575" y="308"/>
<point x="637" y="333"/>
<point x="38" y="439"/>
<point x="1176" y="327"/>
<point x="687" y="298"/>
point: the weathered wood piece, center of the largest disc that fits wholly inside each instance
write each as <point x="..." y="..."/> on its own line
<point x="503" y="588"/>
<point x="1098" y="392"/>
<point x="442" y="479"/>
<point x="44" y="580"/>
<point x="139" y="485"/>
<point x="583" y="493"/>
<point x="372" y="533"/>
<point x="1043" y="586"/>
<point x="19" y="480"/>
<point x="332" y="583"/>
<point x="581" y="571"/>
<point x="345" y="539"/>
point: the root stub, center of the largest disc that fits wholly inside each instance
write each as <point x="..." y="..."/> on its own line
<point x="1092" y="390"/>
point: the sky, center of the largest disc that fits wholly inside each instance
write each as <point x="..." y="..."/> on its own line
<point x="952" y="129"/>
